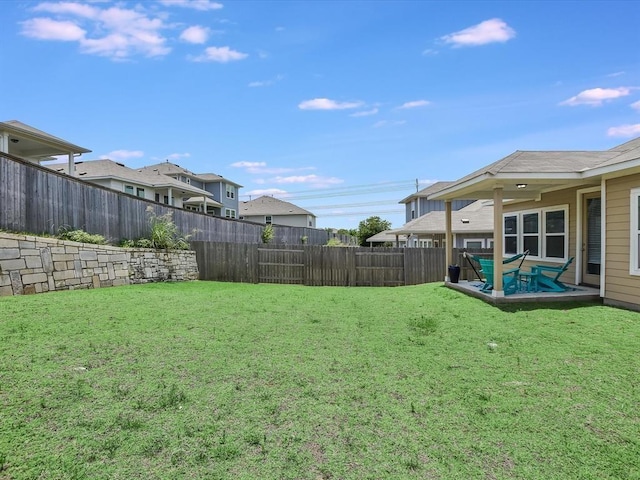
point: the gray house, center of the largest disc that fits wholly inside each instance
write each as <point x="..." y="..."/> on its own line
<point x="223" y="190"/>
<point x="471" y="227"/>
<point x="419" y="203"/>
<point x="269" y="210"/>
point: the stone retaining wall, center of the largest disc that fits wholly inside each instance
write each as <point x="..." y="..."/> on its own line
<point x="37" y="264"/>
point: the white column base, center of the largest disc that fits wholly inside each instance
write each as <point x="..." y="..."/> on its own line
<point x="497" y="293"/>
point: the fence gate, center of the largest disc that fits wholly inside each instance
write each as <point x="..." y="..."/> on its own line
<point x="377" y="268"/>
<point x="281" y="265"/>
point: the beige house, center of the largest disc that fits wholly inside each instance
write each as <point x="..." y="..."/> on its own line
<point x="561" y="205"/>
<point x="143" y="184"/>
<point x="29" y="143"/>
<point x="269" y="210"/>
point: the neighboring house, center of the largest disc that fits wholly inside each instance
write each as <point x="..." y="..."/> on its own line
<point x="223" y="190"/>
<point x="269" y="210"/>
<point x="143" y="184"/>
<point x="388" y="237"/>
<point x="420" y="203"/>
<point x="472" y="228"/>
<point x="559" y="205"/>
<point x="24" y="141"/>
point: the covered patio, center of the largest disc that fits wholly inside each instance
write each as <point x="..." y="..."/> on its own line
<point x="578" y="294"/>
<point x="541" y="202"/>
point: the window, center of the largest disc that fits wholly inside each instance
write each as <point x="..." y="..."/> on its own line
<point x="511" y="234"/>
<point x="158" y="197"/>
<point x="128" y="189"/>
<point x="140" y="192"/>
<point x="166" y="199"/>
<point x="543" y="232"/>
<point x="229" y="213"/>
<point x="268" y="219"/>
<point x="531" y="233"/>
<point x="473" y="244"/>
<point x="231" y="191"/>
<point x="634" y="267"/>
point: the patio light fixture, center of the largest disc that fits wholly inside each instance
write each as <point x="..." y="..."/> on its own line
<point x="521" y="185"/>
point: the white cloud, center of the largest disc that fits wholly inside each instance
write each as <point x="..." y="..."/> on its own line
<point x="365" y="113"/>
<point x="266" y="191"/>
<point x="220" y="55"/>
<point x="177" y="156"/>
<point x="429" y="52"/>
<point x="195" y="34"/>
<point x="201" y="5"/>
<point x="597" y="96"/>
<point x="327" y="104"/>
<point x="49" y="29"/>
<point x="616" y="74"/>
<point x="314" y="180"/>
<point x="489" y="31"/>
<point x="112" y="32"/>
<point x="248" y="164"/>
<point x="123" y="154"/>
<point x="70" y="8"/>
<point x="415" y="104"/>
<point x="624" y="130"/>
<point x="266" y="83"/>
<point x="636" y="105"/>
<point x="387" y="123"/>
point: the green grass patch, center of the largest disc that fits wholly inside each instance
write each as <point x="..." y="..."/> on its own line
<point x="222" y="380"/>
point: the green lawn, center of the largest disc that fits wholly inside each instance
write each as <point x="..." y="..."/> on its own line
<point x="221" y="380"/>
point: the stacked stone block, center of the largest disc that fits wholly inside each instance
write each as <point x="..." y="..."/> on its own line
<point x="35" y="264"/>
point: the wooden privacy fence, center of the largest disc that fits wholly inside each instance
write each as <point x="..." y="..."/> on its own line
<point x="36" y="199"/>
<point x="321" y="265"/>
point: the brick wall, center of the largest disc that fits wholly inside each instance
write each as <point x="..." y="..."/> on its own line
<point x="36" y="264"/>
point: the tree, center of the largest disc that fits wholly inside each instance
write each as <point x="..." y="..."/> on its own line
<point x="369" y="227"/>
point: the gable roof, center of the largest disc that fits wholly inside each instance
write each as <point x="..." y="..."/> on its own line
<point x="527" y="174"/>
<point x="476" y="217"/>
<point x="266" y="205"/>
<point x="425" y="192"/>
<point x="168" y="168"/>
<point x="34" y="143"/>
<point x="105" y="168"/>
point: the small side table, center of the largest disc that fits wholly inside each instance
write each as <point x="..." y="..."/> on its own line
<point x="528" y="281"/>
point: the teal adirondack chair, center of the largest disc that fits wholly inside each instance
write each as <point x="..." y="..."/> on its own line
<point x="550" y="283"/>
<point x="509" y="277"/>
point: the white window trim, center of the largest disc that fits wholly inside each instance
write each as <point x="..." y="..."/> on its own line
<point x="229" y="213"/>
<point x="634" y="230"/>
<point x="542" y="232"/>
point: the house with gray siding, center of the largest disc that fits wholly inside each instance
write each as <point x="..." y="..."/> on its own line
<point x="223" y="191"/>
<point x="419" y="204"/>
<point x="269" y="210"/>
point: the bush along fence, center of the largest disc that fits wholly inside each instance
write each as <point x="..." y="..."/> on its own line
<point x="38" y="200"/>
<point x="38" y="264"/>
<point x="319" y="265"/>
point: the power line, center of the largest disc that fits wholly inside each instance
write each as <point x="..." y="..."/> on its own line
<point x="372" y="188"/>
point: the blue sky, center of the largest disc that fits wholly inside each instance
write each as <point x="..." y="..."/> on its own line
<point x="336" y="106"/>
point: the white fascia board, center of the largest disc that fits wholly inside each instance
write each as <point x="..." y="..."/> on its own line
<point x="612" y="170"/>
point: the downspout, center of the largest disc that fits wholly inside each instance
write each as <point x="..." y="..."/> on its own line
<point x="448" y="251"/>
<point x="603" y="236"/>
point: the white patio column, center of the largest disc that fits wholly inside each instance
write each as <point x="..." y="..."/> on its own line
<point x="4" y="142"/>
<point x="498" y="290"/>
<point x="170" y="192"/>
<point x="204" y="197"/>
<point x="71" y="165"/>
<point x="448" y="251"/>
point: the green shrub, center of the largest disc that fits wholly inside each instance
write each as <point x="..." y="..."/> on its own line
<point x="165" y="233"/>
<point x="267" y="233"/>
<point x="78" y="235"/>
